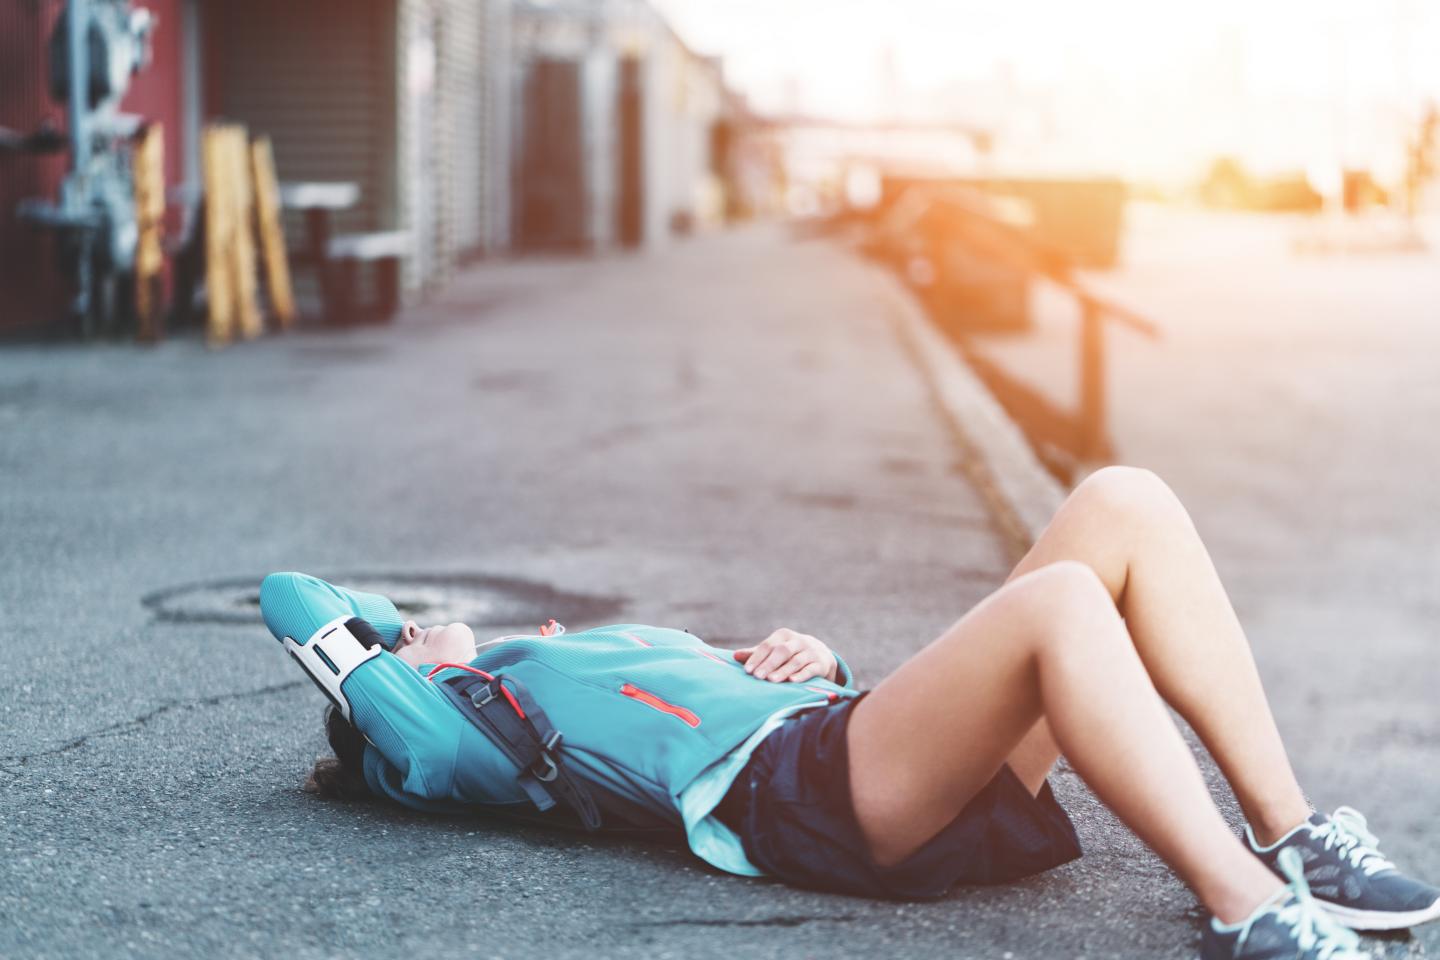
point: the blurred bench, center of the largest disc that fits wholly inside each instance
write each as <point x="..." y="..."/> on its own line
<point x="338" y="258"/>
<point x="345" y="255"/>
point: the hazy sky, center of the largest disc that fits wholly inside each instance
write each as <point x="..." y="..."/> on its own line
<point x="1144" y="84"/>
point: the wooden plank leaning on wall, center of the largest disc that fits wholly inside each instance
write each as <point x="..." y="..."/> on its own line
<point x="238" y="156"/>
<point x="148" y="163"/>
<point x="219" y="227"/>
<point x="229" y="243"/>
<point x="272" y="236"/>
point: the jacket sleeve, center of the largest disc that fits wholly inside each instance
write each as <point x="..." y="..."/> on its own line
<point x="417" y="739"/>
<point x="295" y="605"/>
<point x="414" y="733"/>
<point x="410" y="727"/>
<point x="844" y="676"/>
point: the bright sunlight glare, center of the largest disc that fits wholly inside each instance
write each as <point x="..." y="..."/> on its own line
<point x="1122" y="86"/>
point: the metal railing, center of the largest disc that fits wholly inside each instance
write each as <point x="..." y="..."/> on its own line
<point x="937" y="232"/>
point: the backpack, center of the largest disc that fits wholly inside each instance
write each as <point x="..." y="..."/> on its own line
<point x="502" y="709"/>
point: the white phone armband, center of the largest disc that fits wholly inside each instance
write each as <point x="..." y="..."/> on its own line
<point x="329" y="656"/>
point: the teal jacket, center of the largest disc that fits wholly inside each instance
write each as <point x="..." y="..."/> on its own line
<point x="643" y="710"/>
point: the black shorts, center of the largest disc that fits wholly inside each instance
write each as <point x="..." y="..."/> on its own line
<point x="791" y="807"/>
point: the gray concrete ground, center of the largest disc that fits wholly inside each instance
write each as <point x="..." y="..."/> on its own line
<point x="1292" y="404"/>
<point x="725" y="437"/>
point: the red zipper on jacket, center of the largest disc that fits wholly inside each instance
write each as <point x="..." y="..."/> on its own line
<point x="687" y="717"/>
<point x="830" y="695"/>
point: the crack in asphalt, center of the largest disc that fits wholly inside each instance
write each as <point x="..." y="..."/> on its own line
<point x="780" y="921"/>
<point x="144" y="718"/>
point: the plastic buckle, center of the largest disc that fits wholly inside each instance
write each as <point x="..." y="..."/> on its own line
<point x="551" y="771"/>
<point x="552" y="741"/>
<point x="483" y="696"/>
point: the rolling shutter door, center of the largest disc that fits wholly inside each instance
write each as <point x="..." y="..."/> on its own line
<point x="318" y="77"/>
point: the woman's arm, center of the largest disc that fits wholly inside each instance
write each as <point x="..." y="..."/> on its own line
<point x="412" y="727"/>
<point x="414" y="733"/>
<point x="295" y="605"/>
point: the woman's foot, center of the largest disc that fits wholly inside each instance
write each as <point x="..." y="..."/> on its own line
<point x="1289" y="926"/>
<point x="1348" y="876"/>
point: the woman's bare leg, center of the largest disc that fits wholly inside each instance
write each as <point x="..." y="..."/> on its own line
<point x="1049" y="644"/>
<point x="1128" y="527"/>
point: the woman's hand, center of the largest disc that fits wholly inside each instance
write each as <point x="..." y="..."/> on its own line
<point x="786" y="655"/>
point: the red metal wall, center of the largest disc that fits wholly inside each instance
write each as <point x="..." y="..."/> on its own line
<point x="156" y="91"/>
<point x="28" y="290"/>
<point x="31" y="294"/>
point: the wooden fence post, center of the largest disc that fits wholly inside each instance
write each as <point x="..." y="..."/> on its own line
<point x="229" y="241"/>
<point x="148" y="164"/>
<point x="272" y="236"/>
<point x="218" y="229"/>
<point x="244" y="240"/>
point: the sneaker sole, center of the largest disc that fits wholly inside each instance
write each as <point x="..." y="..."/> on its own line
<point x="1379" y="919"/>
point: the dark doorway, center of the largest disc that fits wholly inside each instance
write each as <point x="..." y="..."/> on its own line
<point x="630" y="200"/>
<point x="553" y="198"/>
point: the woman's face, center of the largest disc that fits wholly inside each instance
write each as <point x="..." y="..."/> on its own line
<point x="448" y="643"/>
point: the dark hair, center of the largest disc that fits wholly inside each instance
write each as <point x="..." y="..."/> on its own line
<point x="342" y="776"/>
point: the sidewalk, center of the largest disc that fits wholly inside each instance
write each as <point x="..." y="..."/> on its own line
<point x="727" y="437"/>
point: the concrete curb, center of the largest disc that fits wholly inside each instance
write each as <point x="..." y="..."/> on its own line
<point x="1021" y="494"/>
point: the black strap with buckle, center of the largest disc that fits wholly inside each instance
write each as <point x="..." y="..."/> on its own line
<point x="530" y="741"/>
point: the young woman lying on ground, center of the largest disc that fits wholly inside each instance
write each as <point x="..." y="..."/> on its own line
<point x="774" y="764"/>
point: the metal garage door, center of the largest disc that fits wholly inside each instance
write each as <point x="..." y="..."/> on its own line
<point x="319" y="78"/>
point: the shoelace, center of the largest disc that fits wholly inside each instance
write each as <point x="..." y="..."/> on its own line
<point x="1311" y="927"/>
<point x="1347" y="832"/>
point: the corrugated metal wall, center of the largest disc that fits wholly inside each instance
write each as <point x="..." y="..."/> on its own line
<point x="649" y="106"/>
<point x="318" y="77"/>
<point x="417" y="52"/>
<point x="390" y="94"/>
<point x="462" y="100"/>
<point x="497" y="74"/>
<point x="600" y="94"/>
<point x="445" y="114"/>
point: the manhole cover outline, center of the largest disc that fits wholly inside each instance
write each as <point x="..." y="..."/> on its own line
<point x="479" y="600"/>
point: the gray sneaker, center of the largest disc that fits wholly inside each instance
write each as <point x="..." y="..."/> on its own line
<point x="1289" y="926"/>
<point x="1349" y="877"/>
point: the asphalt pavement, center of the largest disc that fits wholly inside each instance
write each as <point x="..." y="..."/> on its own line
<point x="726" y="436"/>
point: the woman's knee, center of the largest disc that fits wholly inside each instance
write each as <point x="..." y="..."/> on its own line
<point x="1127" y="495"/>
<point x="1064" y="598"/>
